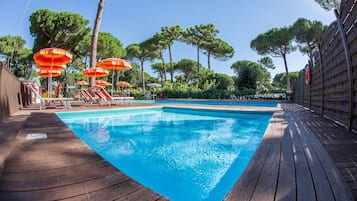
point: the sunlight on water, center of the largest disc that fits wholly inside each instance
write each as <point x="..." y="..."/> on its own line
<point x="181" y="154"/>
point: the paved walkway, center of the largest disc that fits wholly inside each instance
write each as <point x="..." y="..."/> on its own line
<point x="290" y="163"/>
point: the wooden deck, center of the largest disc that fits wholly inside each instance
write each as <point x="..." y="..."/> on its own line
<point x="290" y="164"/>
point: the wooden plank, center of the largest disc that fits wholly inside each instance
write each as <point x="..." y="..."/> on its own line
<point x="286" y="189"/>
<point x="304" y="183"/>
<point x="318" y="173"/>
<point x="245" y="186"/>
<point x="268" y="181"/>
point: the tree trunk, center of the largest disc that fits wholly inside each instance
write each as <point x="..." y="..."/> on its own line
<point x="93" y="52"/>
<point x="198" y="59"/>
<point x="142" y="74"/>
<point x="288" y="88"/>
<point x="163" y="66"/>
<point x="209" y="59"/>
<point x="171" y="67"/>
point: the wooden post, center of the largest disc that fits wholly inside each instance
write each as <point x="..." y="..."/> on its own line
<point x="349" y="68"/>
<point x="322" y="82"/>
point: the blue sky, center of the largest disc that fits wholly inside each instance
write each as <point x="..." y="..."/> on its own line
<point x="132" y="21"/>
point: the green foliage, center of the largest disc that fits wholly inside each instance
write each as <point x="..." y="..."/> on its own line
<point x="168" y="35"/>
<point x="266" y="62"/>
<point x="109" y="46"/>
<point x="141" y="52"/>
<point x="279" y="80"/>
<point x="189" y="69"/>
<point x="276" y="42"/>
<point x="159" y="43"/>
<point x="52" y="29"/>
<point x="251" y="75"/>
<point x="18" y="57"/>
<point x="308" y="34"/>
<point x="329" y="4"/>
<point x="218" y="48"/>
<point x="198" y="36"/>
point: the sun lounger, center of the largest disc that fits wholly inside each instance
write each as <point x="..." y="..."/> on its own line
<point x="33" y="90"/>
<point x="120" y="99"/>
<point x="87" y="97"/>
<point x="66" y="102"/>
<point x="102" y="98"/>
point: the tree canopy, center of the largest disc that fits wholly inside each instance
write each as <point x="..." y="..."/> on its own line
<point x="219" y="49"/>
<point x="168" y="35"/>
<point x="198" y="36"/>
<point x="189" y="69"/>
<point x="308" y="34"/>
<point x="329" y="4"/>
<point x="13" y="47"/>
<point x="142" y="52"/>
<point x="52" y="29"/>
<point x="250" y="75"/>
<point x="276" y="42"/>
<point x="279" y="80"/>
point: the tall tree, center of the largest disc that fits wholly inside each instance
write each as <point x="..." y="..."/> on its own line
<point x="309" y="35"/>
<point x="279" y="79"/>
<point x="170" y="34"/>
<point x="251" y="75"/>
<point x="97" y="22"/>
<point x="219" y="49"/>
<point x="158" y="43"/>
<point x="276" y="42"/>
<point x="160" y="70"/>
<point x="189" y="69"/>
<point x="329" y="4"/>
<point x="13" y="47"/>
<point x="52" y="29"/>
<point x="142" y="52"/>
<point x="198" y="36"/>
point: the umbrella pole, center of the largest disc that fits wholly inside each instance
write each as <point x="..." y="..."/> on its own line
<point x="49" y="93"/>
<point x="112" y="81"/>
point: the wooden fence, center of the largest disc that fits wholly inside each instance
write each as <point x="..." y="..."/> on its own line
<point x="332" y="91"/>
<point x="10" y="92"/>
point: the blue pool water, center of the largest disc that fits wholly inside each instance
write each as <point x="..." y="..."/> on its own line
<point x="213" y="102"/>
<point x="183" y="154"/>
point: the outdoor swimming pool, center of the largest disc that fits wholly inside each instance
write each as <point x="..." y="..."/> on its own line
<point x="183" y="154"/>
<point x="213" y="102"/>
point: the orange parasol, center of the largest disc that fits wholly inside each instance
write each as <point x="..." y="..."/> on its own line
<point x="52" y="56"/>
<point x="95" y="72"/>
<point x="81" y="83"/>
<point x="54" y="67"/>
<point x="47" y="73"/>
<point x="114" y="64"/>
<point x="123" y="84"/>
<point x="102" y="83"/>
